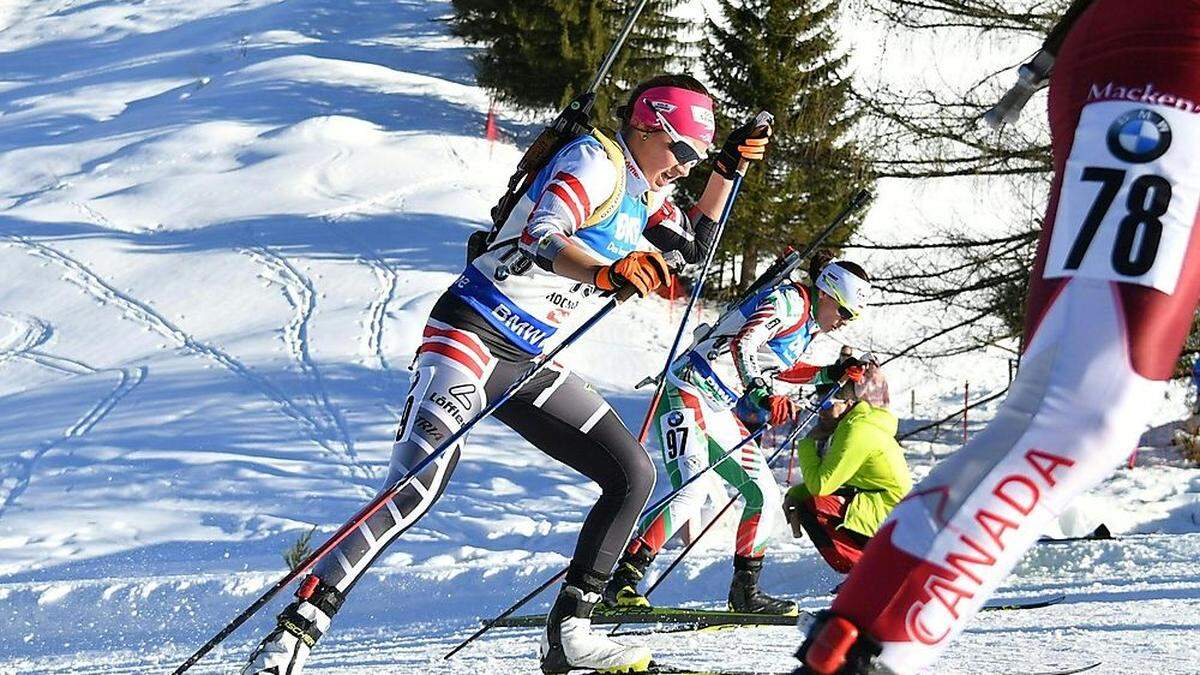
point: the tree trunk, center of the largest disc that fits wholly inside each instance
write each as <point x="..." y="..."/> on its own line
<point x="749" y="266"/>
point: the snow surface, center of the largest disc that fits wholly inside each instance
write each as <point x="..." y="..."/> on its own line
<point x="222" y="224"/>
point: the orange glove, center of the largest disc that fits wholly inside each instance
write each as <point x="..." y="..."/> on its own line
<point x="782" y="409"/>
<point x="644" y="270"/>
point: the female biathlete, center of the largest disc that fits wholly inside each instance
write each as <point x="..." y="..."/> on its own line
<point x="1113" y="292"/>
<point x="696" y="423"/>
<point x="572" y="237"/>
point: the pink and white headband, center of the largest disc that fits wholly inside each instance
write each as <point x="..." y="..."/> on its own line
<point x="689" y="112"/>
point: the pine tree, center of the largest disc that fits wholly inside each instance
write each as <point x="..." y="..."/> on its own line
<point x="539" y="54"/>
<point x="782" y="56"/>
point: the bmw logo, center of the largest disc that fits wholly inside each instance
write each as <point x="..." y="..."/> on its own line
<point x="675" y="418"/>
<point x="1139" y="136"/>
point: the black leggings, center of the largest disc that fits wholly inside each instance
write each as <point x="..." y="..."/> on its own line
<point x="456" y="375"/>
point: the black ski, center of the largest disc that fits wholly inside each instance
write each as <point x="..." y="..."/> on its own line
<point x="1031" y="604"/>
<point x="684" y="619"/>
<point x="694" y="619"/>
<point x="1068" y="671"/>
<point x="1101" y="533"/>
<point x="680" y="624"/>
<point x="664" y="669"/>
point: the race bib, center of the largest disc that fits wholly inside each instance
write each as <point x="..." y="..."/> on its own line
<point x="678" y="428"/>
<point x="1129" y="196"/>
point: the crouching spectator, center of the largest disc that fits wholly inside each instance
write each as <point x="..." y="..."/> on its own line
<point x="853" y="471"/>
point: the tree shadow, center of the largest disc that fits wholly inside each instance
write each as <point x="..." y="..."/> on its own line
<point x="251" y="77"/>
<point x="404" y="241"/>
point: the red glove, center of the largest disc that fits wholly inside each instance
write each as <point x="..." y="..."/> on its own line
<point x="782" y="409"/>
<point x="799" y="373"/>
<point x="644" y="270"/>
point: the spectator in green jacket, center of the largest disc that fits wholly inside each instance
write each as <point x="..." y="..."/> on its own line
<point x="853" y="470"/>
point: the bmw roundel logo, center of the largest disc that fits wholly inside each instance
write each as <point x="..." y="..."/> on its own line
<point x="1139" y="136"/>
<point x="675" y="418"/>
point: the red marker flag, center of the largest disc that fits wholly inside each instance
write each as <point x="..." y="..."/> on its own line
<point x="490" y="130"/>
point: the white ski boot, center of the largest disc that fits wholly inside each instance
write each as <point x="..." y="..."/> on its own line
<point x="569" y="642"/>
<point x="301" y="624"/>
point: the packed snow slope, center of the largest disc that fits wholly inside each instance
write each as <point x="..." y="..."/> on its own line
<point x="222" y="224"/>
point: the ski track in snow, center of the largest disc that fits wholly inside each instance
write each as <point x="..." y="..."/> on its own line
<point x="88" y="280"/>
<point x="388" y="282"/>
<point x="300" y="293"/>
<point x="36" y="333"/>
<point x="377" y="312"/>
<point x="394" y="202"/>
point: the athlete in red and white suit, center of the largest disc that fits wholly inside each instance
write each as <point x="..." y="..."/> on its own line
<point x="1112" y="296"/>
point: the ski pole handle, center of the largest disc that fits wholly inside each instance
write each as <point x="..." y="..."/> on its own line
<point x="816" y="410"/>
<point x="762" y="119"/>
<point x="1031" y="78"/>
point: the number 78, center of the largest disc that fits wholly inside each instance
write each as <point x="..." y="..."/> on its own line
<point x="1149" y="199"/>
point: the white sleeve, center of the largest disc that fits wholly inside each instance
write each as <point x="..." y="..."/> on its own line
<point x="769" y="319"/>
<point x="581" y="179"/>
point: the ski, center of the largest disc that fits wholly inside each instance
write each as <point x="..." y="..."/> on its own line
<point x="663" y="669"/>
<point x="1101" y="533"/>
<point x="683" y="625"/>
<point x="1069" y="671"/>
<point x="698" y="619"/>
<point x="667" y="628"/>
<point x="694" y="618"/>
<point x="1031" y="604"/>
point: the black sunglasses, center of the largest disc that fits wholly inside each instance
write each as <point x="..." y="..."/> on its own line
<point x="846" y="314"/>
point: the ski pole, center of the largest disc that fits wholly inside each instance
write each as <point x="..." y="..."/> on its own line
<point x="645" y="512"/>
<point x="503" y="615"/>
<point x="763" y="119"/>
<point x="392" y="490"/>
<point x="651" y="509"/>
<point x="733" y="500"/>
<point x="611" y="56"/>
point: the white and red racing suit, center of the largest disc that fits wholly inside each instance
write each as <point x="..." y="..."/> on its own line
<point x="1112" y="296"/>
